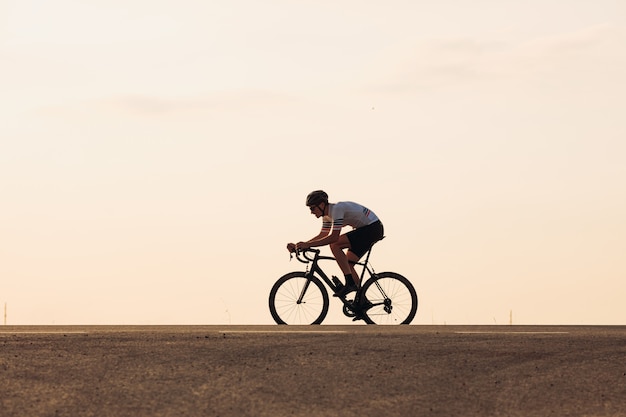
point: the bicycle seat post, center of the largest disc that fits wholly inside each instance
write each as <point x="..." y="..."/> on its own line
<point x="367" y="258"/>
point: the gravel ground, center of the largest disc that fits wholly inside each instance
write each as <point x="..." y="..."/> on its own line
<point x="312" y="371"/>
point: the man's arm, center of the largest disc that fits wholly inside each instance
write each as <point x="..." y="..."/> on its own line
<point x="322" y="239"/>
<point x="324" y="233"/>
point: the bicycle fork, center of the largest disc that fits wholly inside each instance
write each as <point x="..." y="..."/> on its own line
<point x="306" y="287"/>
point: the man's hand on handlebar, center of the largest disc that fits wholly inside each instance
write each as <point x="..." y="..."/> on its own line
<point x="303" y="252"/>
<point x="302" y="246"/>
<point x="297" y="247"/>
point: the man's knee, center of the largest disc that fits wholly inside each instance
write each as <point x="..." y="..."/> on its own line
<point x="335" y="246"/>
<point x="353" y="258"/>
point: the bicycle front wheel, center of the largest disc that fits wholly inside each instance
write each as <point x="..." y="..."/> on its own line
<point x="297" y="299"/>
<point x="389" y="299"/>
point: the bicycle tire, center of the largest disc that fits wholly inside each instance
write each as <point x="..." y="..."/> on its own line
<point x="283" y="300"/>
<point x="390" y="299"/>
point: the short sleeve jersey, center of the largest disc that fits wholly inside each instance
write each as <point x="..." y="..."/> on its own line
<point x="347" y="213"/>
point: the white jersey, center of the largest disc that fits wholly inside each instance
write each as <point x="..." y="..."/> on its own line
<point x="347" y="213"/>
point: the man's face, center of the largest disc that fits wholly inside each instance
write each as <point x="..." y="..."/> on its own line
<point x="316" y="210"/>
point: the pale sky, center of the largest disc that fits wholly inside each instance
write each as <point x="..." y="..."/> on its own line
<point x="155" y="155"/>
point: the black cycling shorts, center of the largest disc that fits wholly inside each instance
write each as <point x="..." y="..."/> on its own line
<point x="362" y="239"/>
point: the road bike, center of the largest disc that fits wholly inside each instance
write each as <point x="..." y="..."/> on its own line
<point x="300" y="297"/>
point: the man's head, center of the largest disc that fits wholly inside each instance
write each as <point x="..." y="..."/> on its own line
<point x="317" y="202"/>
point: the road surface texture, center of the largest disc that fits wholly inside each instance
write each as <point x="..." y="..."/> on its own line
<point x="312" y="371"/>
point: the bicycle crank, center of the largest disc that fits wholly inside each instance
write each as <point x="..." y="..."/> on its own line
<point x="348" y="312"/>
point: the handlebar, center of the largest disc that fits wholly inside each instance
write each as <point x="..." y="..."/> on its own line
<point x="301" y="255"/>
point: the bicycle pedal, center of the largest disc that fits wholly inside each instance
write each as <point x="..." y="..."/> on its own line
<point x="341" y="293"/>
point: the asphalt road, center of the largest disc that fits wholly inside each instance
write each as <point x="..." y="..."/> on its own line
<point x="312" y="371"/>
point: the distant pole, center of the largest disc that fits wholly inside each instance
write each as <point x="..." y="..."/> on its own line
<point x="5" y="313"/>
<point x="511" y="318"/>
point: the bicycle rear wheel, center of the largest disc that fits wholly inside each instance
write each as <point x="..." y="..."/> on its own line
<point x="389" y="298"/>
<point x="296" y="299"/>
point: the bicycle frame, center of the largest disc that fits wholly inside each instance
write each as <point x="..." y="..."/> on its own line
<point x="316" y="269"/>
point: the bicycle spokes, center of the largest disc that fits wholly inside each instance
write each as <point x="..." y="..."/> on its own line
<point x="392" y="299"/>
<point x="303" y="292"/>
<point x="298" y="299"/>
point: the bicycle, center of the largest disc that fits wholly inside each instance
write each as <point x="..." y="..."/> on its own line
<point x="301" y="297"/>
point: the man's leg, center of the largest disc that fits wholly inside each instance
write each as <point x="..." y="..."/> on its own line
<point x="345" y="262"/>
<point x="352" y="260"/>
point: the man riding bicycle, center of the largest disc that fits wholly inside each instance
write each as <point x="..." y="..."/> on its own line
<point x="367" y="230"/>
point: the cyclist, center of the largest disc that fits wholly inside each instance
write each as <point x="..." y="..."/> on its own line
<point x="367" y="230"/>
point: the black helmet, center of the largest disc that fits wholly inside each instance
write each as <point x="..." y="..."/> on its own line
<point x="316" y="197"/>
